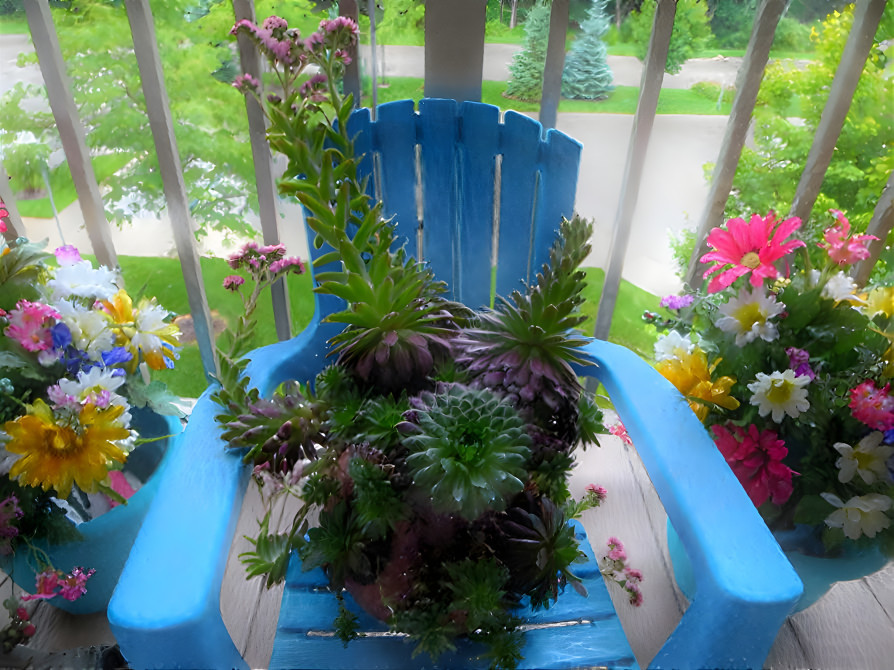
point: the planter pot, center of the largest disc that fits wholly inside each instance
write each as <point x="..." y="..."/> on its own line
<point x="107" y="539"/>
<point x="818" y="573"/>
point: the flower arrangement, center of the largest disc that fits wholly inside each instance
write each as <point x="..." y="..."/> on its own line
<point x="76" y="355"/>
<point x="789" y="368"/>
<point x="434" y="451"/>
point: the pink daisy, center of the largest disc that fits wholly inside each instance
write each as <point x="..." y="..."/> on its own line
<point x="751" y="247"/>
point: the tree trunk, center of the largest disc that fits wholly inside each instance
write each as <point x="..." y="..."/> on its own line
<point x="618" y="14"/>
<point x="513" y="16"/>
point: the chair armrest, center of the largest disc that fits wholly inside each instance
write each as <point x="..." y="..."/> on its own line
<point x="165" y="611"/>
<point x="745" y="586"/>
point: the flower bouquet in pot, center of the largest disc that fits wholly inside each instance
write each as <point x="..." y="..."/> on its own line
<point x="430" y="457"/>
<point x="82" y="422"/>
<point x="789" y="367"/>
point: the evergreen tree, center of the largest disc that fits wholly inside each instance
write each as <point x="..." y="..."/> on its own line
<point x="586" y="74"/>
<point x="526" y="70"/>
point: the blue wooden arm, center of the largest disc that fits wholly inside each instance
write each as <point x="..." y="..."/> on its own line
<point x="745" y="587"/>
<point x="165" y="612"/>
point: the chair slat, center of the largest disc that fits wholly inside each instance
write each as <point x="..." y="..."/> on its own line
<point x="521" y="149"/>
<point x="395" y="142"/>
<point x="477" y="150"/>
<point x="560" y="157"/>
<point x="438" y="137"/>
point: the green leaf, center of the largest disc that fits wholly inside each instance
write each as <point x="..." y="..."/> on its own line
<point x="812" y="510"/>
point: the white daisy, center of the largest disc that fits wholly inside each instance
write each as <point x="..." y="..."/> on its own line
<point x="748" y="316"/>
<point x="667" y="345"/>
<point x="868" y="459"/>
<point x="861" y="515"/>
<point x="780" y="393"/>
<point x="838" y="287"/>
<point x="82" y="280"/>
<point x="89" y="328"/>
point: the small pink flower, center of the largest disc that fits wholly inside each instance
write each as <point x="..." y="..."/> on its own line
<point x="597" y="493"/>
<point x="677" y="301"/>
<point x="314" y="88"/>
<point x="30" y="323"/>
<point x="841" y="247"/>
<point x="246" y="83"/>
<point x="618" y="430"/>
<point x="274" y="23"/>
<point x="872" y="405"/>
<point x="756" y="460"/>
<point x="290" y="264"/>
<point x="73" y="585"/>
<point x="67" y="255"/>
<point x="29" y="630"/>
<point x="22" y="614"/>
<point x="45" y="586"/>
<point x="616" y="550"/>
<point x="233" y="282"/>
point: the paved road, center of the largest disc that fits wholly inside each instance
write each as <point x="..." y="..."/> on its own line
<point x="671" y="196"/>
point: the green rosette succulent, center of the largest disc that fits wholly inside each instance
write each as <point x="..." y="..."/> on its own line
<point x="469" y="452"/>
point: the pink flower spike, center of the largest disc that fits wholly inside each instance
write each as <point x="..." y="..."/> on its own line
<point x="618" y="430"/>
<point x="45" y="586"/>
<point x="841" y="247"/>
<point x="750" y="248"/>
<point x="72" y="585"/>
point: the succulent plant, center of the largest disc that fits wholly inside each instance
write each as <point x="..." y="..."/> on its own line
<point x="525" y="347"/>
<point x="469" y="451"/>
<point x="534" y="541"/>
<point x="282" y="430"/>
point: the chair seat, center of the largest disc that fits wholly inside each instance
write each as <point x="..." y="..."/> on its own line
<point x="575" y="632"/>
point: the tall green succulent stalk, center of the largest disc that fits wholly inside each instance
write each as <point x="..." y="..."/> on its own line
<point x="525" y="347"/>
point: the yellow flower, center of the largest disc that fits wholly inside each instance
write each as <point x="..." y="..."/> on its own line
<point x="880" y="299"/>
<point x="144" y="331"/>
<point x="691" y="375"/>
<point x="55" y="456"/>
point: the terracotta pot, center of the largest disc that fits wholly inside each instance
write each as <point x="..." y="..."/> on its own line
<point x="818" y="573"/>
<point x="107" y="539"/>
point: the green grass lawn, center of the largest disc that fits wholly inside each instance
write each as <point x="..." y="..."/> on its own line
<point x="162" y="278"/>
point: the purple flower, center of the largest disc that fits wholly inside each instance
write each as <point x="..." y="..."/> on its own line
<point x="246" y="83"/>
<point x="799" y="361"/>
<point x="67" y="255"/>
<point x="677" y="301"/>
<point x="287" y="264"/>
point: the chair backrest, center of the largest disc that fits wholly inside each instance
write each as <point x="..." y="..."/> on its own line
<point x="468" y="192"/>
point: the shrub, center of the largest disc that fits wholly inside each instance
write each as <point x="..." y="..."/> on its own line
<point x="691" y="33"/>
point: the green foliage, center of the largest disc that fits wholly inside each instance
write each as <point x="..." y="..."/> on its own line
<point x="792" y="35"/>
<point x="26" y="165"/>
<point x="346" y="623"/>
<point x="586" y="74"/>
<point x="526" y="69"/>
<point x="469" y="453"/>
<point x="691" y="32"/>
<point x="768" y="173"/>
<point x="377" y="504"/>
<point x="731" y="22"/>
<point x="271" y="552"/>
<point x="337" y="544"/>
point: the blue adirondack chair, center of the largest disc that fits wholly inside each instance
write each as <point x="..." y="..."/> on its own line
<point x="165" y="611"/>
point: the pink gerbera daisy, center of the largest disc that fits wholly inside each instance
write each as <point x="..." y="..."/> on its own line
<point x="749" y="247"/>
<point x="756" y="460"/>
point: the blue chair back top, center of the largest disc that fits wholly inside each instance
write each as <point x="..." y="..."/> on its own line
<point x="468" y="192"/>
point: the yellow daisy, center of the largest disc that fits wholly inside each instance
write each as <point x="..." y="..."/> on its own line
<point x="691" y="375"/>
<point x="55" y="456"/>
